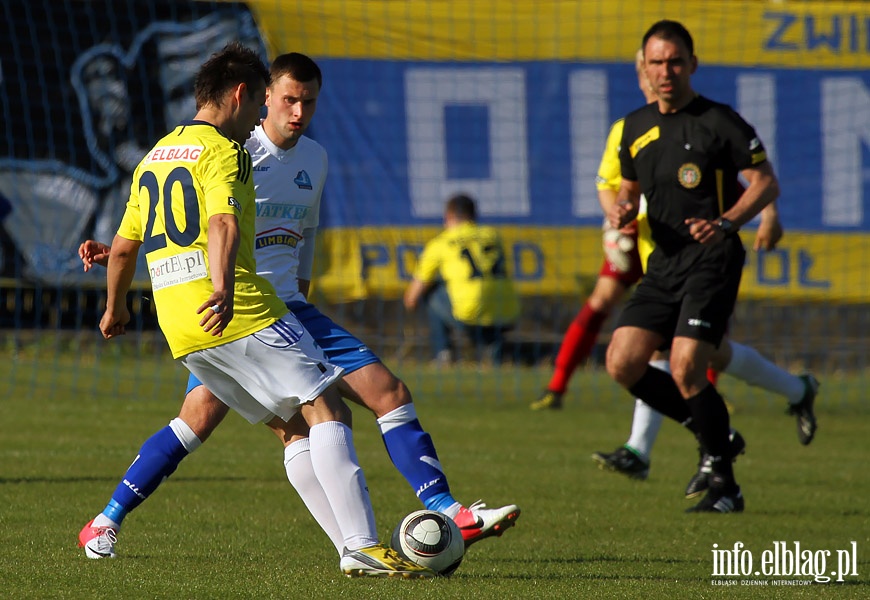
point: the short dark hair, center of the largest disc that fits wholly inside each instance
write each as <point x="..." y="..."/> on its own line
<point x="462" y="206"/>
<point x="670" y="30"/>
<point x="298" y="66"/>
<point x="224" y="70"/>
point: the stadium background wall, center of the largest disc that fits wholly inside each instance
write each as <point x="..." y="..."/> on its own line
<point x="508" y="101"/>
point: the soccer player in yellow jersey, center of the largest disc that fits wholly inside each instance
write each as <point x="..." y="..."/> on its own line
<point x="281" y="154"/>
<point x="463" y="275"/>
<point x="192" y="209"/>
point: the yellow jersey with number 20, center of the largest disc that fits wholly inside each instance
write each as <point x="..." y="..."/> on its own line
<point x="190" y="175"/>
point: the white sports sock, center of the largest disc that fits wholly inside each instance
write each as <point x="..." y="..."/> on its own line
<point x="300" y="472"/>
<point x="748" y="365"/>
<point x="102" y="520"/>
<point x="333" y="457"/>
<point x="645" y="427"/>
<point x="397" y="417"/>
<point x="452" y="510"/>
<point x="185" y="435"/>
<point x="647" y="421"/>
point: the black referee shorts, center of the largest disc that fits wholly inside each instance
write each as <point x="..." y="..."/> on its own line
<point x="691" y="294"/>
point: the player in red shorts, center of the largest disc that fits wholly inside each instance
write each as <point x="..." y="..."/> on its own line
<point x="620" y="271"/>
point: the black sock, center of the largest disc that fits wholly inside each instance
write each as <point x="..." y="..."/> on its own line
<point x="659" y="390"/>
<point x="710" y="416"/>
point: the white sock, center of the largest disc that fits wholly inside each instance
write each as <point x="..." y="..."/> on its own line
<point x="647" y="421"/>
<point x="300" y="472"/>
<point x="185" y="435"/>
<point x="333" y="457"/>
<point x="645" y="427"/>
<point x="748" y="365"/>
<point x="452" y="510"/>
<point x="397" y="417"/>
<point x="102" y="520"/>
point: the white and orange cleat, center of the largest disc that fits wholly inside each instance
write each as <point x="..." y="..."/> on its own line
<point x="98" y="542"/>
<point x="478" y="522"/>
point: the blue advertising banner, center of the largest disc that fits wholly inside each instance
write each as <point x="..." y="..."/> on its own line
<point x="526" y="138"/>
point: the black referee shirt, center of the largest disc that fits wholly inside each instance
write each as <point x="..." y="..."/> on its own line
<point x="687" y="164"/>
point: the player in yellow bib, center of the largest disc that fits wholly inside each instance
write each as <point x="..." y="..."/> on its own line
<point x="281" y="154"/>
<point x="462" y="273"/>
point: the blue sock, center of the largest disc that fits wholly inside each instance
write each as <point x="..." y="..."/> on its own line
<point x="412" y="451"/>
<point x="157" y="459"/>
<point x="440" y="502"/>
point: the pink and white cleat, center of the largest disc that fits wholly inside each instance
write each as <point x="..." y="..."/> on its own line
<point x="478" y="522"/>
<point x="98" y="542"/>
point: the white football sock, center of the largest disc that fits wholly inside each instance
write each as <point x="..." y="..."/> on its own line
<point x="102" y="520"/>
<point x="647" y="421"/>
<point x="452" y="510"/>
<point x="645" y="427"/>
<point x="300" y="472"/>
<point x="397" y="417"/>
<point x="185" y="434"/>
<point x="748" y="365"/>
<point x="333" y="457"/>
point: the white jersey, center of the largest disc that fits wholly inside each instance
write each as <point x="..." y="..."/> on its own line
<point x="288" y="186"/>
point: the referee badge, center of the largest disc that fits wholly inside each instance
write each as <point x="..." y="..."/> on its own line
<point x="689" y="175"/>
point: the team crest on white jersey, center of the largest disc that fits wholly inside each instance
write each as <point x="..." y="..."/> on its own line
<point x="303" y="180"/>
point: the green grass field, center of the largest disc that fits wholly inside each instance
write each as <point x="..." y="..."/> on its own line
<point x="228" y="525"/>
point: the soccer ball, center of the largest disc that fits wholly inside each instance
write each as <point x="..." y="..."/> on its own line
<point x="431" y="540"/>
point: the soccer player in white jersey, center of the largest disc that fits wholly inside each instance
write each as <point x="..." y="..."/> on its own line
<point x="192" y="210"/>
<point x="289" y="175"/>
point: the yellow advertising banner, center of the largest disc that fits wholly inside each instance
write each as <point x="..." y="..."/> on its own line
<point x="357" y="263"/>
<point x="834" y="34"/>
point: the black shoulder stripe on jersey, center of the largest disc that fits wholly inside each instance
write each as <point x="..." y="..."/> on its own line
<point x="244" y="164"/>
<point x="249" y="165"/>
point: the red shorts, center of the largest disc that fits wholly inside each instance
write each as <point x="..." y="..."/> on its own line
<point x="632" y="275"/>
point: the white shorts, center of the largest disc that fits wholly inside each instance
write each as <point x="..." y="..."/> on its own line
<point x="268" y="373"/>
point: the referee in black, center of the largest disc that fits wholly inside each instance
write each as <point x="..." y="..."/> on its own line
<point x="684" y="153"/>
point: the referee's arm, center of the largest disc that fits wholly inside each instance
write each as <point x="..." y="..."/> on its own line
<point x="763" y="189"/>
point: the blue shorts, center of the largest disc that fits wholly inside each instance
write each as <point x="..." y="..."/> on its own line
<point x="340" y="346"/>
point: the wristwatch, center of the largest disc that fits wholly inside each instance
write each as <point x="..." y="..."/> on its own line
<point x="726" y="226"/>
